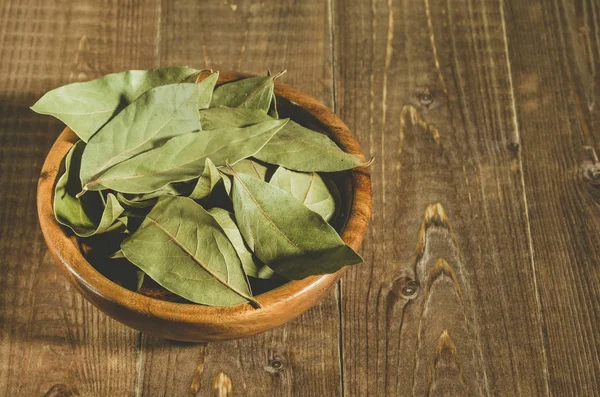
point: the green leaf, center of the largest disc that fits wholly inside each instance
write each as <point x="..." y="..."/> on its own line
<point x="118" y="255"/>
<point x="251" y="93"/>
<point x="207" y="181"/>
<point x="182" y="158"/>
<point x="144" y="200"/>
<point x="300" y="149"/>
<point x="206" y="88"/>
<point x="246" y="167"/>
<point x="135" y="201"/>
<point x="87" y="106"/>
<point x="252" y="266"/>
<point x="139" y="275"/>
<point x="249" y="167"/>
<point x="308" y="188"/>
<point x="294" y="147"/>
<point x="183" y="248"/>
<point x="284" y="234"/>
<point x="88" y="215"/>
<point x="214" y="118"/>
<point x="157" y="115"/>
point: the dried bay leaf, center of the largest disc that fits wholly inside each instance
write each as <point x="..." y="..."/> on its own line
<point x="207" y="181"/>
<point x="184" y="249"/>
<point x="284" y="234"/>
<point x="247" y="167"/>
<point x="206" y="88"/>
<point x="182" y="158"/>
<point x="301" y="149"/>
<point x="251" y="93"/>
<point x="308" y="188"/>
<point x="295" y="147"/>
<point x="157" y="115"/>
<point x="213" y="118"/>
<point x="87" y="106"/>
<point x="88" y="215"/>
<point x="252" y="266"/>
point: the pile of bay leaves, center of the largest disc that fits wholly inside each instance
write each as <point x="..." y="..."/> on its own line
<point x="203" y="187"/>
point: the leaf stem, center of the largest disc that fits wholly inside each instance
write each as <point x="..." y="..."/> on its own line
<point x="82" y="192"/>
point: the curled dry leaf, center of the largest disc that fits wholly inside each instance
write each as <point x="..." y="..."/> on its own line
<point x="89" y="215"/>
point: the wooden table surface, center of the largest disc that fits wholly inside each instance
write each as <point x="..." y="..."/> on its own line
<point x="482" y="272"/>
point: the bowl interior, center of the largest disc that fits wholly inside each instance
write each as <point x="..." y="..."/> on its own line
<point x="123" y="273"/>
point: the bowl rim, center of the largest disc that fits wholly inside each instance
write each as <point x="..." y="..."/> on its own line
<point x="79" y="270"/>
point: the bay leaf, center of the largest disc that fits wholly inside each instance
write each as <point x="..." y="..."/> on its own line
<point x="206" y="88"/>
<point x="252" y="266"/>
<point x="88" y="215"/>
<point x="252" y="93"/>
<point x="143" y="200"/>
<point x="118" y="255"/>
<point x="157" y="115"/>
<point x="247" y="167"/>
<point x="301" y="149"/>
<point x="133" y="202"/>
<point x="213" y="118"/>
<point x="140" y="276"/>
<point x="284" y="234"/>
<point x="207" y="181"/>
<point x="87" y="106"/>
<point x="337" y="199"/>
<point x="182" y="247"/>
<point x="295" y="147"/>
<point x="182" y="158"/>
<point x="308" y="188"/>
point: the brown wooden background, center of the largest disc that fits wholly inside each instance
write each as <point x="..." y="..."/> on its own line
<point x="482" y="273"/>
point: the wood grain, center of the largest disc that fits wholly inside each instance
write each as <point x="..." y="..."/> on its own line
<point x="555" y="94"/>
<point x="436" y="110"/>
<point x="482" y="273"/>
<point x="302" y="356"/>
<point x="51" y="340"/>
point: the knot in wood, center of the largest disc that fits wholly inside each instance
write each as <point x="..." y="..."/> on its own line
<point x="405" y="287"/>
<point x="276" y="365"/>
<point x="425" y="98"/>
<point x="410" y="289"/>
<point x="592" y="174"/>
<point x="59" y="390"/>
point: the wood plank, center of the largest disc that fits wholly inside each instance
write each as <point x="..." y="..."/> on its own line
<point x="556" y="95"/>
<point x="52" y="341"/>
<point x="300" y="358"/>
<point x="427" y="87"/>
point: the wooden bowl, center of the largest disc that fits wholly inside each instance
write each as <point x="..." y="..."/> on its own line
<point x="192" y="322"/>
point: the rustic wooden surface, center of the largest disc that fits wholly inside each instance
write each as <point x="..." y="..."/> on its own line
<point x="482" y="273"/>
